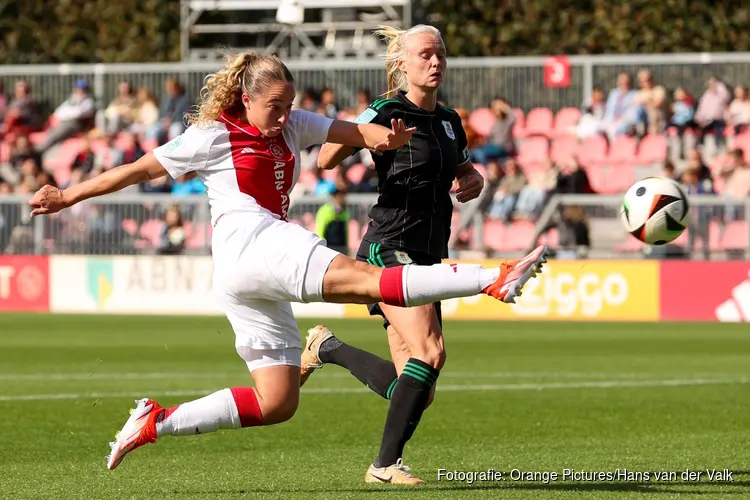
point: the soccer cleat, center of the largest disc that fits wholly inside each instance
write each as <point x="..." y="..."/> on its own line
<point x="310" y="359"/>
<point x="397" y="473"/>
<point x="140" y="429"/>
<point x="515" y="273"/>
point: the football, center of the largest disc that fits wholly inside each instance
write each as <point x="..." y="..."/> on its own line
<point x="655" y="210"/>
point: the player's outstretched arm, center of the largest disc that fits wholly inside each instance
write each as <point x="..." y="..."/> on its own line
<point x="370" y="135"/>
<point x="49" y="200"/>
<point x="331" y="155"/>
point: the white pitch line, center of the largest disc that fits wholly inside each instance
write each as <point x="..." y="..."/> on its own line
<point x="361" y="390"/>
<point x="20" y="377"/>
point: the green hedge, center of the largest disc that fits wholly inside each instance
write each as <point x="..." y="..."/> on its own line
<point x="76" y="31"/>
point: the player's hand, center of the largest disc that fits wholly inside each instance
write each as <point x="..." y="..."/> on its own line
<point x="469" y="186"/>
<point x="397" y="137"/>
<point x="47" y="200"/>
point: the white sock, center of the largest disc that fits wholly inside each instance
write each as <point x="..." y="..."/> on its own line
<point x="428" y="284"/>
<point x="207" y="414"/>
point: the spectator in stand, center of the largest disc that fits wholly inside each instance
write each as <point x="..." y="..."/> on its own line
<point x="84" y="160"/>
<point x="737" y="186"/>
<point x="188" y="184"/>
<point x="109" y="156"/>
<point x="130" y="147"/>
<point x="363" y="100"/>
<point x="22" y="151"/>
<point x="472" y="138"/>
<point x="3" y="101"/>
<point x="174" y="104"/>
<point x="22" y="114"/>
<point x="618" y="113"/>
<point x="735" y="160"/>
<point x="332" y="221"/>
<point x="506" y="196"/>
<point x="307" y="100"/>
<point x="711" y="110"/>
<point x="668" y="171"/>
<point x="533" y="196"/>
<point x="500" y="143"/>
<point x="695" y="162"/>
<point x="328" y="103"/>
<point x="700" y="219"/>
<point x="592" y="120"/>
<point x="74" y="116"/>
<point x="738" y="114"/>
<point x="682" y="111"/>
<point x="479" y="206"/>
<point x="172" y="237"/>
<point x="121" y="112"/>
<point x="323" y="187"/>
<point x="652" y="99"/>
<point x="147" y="114"/>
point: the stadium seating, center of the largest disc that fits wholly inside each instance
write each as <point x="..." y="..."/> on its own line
<point x="652" y="149"/>
<point x="565" y="120"/>
<point x="355" y="173"/>
<point x="533" y="152"/>
<point x="592" y="151"/>
<point x="539" y="122"/>
<point x="563" y="148"/>
<point x="481" y="121"/>
<point x="621" y="151"/>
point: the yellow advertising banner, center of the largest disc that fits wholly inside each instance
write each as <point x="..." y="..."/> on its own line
<point x="607" y="290"/>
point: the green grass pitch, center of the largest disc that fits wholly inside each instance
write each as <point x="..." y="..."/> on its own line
<point x="531" y="397"/>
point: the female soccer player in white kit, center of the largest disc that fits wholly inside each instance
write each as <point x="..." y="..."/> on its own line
<point x="244" y="143"/>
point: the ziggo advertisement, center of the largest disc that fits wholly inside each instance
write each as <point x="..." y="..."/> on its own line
<point x="608" y="290"/>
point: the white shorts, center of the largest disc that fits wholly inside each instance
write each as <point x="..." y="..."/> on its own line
<point x="263" y="358"/>
<point x="261" y="265"/>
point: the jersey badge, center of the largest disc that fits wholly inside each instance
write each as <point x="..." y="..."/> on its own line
<point x="402" y="257"/>
<point x="366" y="116"/>
<point x="449" y="130"/>
<point x="276" y="150"/>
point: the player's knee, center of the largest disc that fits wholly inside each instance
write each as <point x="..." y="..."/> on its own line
<point x="280" y="411"/>
<point x="434" y="355"/>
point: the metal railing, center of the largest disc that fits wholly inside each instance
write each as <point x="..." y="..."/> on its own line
<point x="470" y="82"/>
<point x="133" y="224"/>
<point x="718" y="228"/>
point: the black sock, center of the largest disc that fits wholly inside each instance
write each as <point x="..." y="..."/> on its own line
<point x="375" y="372"/>
<point x="407" y="405"/>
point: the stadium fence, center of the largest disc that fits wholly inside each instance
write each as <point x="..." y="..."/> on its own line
<point x="470" y="82"/>
<point x="131" y="224"/>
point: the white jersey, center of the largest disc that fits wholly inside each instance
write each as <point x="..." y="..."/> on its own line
<point x="244" y="171"/>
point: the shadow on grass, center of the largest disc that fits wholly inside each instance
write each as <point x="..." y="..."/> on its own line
<point x="664" y="487"/>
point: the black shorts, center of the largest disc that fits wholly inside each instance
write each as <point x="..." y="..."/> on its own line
<point x="383" y="255"/>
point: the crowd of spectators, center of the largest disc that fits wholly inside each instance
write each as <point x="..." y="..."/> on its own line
<point x="708" y="141"/>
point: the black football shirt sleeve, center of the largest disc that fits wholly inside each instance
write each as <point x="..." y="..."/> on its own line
<point x="462" y="144"/>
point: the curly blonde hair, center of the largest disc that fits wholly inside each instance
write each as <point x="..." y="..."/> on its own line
<point x="247" y="72"/>
<point x="396" y="51"/>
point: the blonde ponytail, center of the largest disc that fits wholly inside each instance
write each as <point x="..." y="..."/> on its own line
<point x="247" y="72"/>
<point x="396" y="51"/>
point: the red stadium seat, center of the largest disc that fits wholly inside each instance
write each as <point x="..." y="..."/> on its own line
<point x="330" y="175"/>
<point x="742" y="142"/>
<point x="622" y="151"/>
<point x="563" y="148"/>
<point x="652" y="149"/>
<point x="493" y="234"/>
<point x="4" y="152"/>
<point x="353" y="235"/>
<point x="150" y="231"/>
<point x="735" y="236"/>
<point x="592" y="151"/>
<point x="307" y="179"/>
<point x="598" y="179"/>
<point x="539" y="122"/>
<point x="482" y="120"/>
<point x="149" y="145"/>
<point x="533" y="152"/>
<point x="518" y="236"/>
<point x="565" y="120"/>
<point x="619" y="179"/>
<point x="130" y="226"/>
<point x="355" y="173"/>
<point x="519" y="127"/>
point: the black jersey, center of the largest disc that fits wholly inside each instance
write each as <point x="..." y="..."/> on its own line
<point x="414" y="207"/>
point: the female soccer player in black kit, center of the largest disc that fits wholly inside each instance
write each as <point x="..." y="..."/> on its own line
<point x="410" y="223"/>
